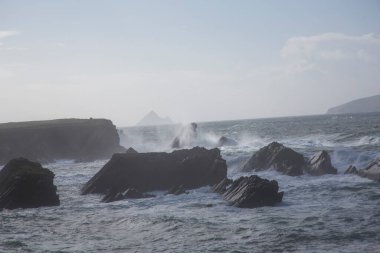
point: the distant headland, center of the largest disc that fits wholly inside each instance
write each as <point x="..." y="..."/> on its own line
<point x="362" y="105"/>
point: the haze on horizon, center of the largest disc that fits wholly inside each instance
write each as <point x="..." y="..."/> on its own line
<point x="189" y="60"/>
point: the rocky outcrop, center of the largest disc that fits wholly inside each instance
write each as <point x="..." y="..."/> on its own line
<point x="177" y="190"/>
<point x="250" y="192"/>
<point x="225" y="141"/>
<point x="47" y="141"/>
<point x="372" y="171"/>
<point x="276" y="156"/>
<point x="145" y="172"/>
<point x="320" y="164"/>
<point x="26" y="184"/>
<point x="351" y="170"/>
<point x="221" y="187"/>
<point x="130" y="193"/>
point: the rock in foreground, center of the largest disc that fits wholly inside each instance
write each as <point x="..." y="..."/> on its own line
<point x="25" y="184"/>
<point x="278" y="157"/>
<point x="372" y="171"/>
<point x="225" y="141"/>
<point x="191" y="168"/>
<point x="320" y="164"/>
<point x="251" y="192"/>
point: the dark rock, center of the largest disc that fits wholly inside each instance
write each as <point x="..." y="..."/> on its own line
<point x="176" y="190"/>
<point x="225" y="141"/>
<point x="320" y="164"/>
<point x="186" y="136"/>
<point x="221" y="187"/>
<point x="351" y="170"/>
<point x="191" y="168"/>
<point x="131" y="151"/>
<point x="130" y="193"/>
<point x="278" y="157"/>
<point x="47" y="141"/>
<point x="253" y="191"/>
<point x="26" y="184"/>
<point x="372" y="171"/>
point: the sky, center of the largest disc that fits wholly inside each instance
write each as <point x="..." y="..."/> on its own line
<point x="190" y="60"/>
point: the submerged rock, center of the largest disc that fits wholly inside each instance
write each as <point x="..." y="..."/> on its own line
<point x="176" y="190"/>
<point x="351" y="170"/>
<point x="130" y="193"/>
<point x="26" y="184"/>
<point x="278" y="157"/>
<point x="251" y="192"/>
<point x="320" y="164"/>
<point x="225" y="141"/>
<point x="191" y="168"/>
<point x="372" y="171"/>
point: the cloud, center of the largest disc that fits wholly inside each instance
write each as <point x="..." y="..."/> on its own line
<point x="332" y="47"/>
<point x="8" y="33"/>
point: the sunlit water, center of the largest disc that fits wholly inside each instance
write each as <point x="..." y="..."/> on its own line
<point x="332" y="213"/>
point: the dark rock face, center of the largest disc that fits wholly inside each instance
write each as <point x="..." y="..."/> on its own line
<point x="130" y="193"/>
<point x="47" y="141"/>
<point x="320" y="164"/>
<point x="251" y="192"/>
<point x="278" y="157"/>
<point x="372" y="171"/>
<point x="177" y="190"/>
<point x="225" y="141"/>
<point x="25" y="184"/>
<point x="191" y="168"/>
<point x="351" y="170"/>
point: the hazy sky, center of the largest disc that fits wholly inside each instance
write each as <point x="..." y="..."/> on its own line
<point x="189" y="60"/>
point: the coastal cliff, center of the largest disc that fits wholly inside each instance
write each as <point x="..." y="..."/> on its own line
<point x="47" y="141"/>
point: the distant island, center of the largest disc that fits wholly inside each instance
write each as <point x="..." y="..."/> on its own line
<point x="362" y="105"/>
<point x="152" y="119"/>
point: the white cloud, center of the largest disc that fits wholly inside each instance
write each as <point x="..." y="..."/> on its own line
<point x="332" y="47"/>
<point x="9" y="33"/>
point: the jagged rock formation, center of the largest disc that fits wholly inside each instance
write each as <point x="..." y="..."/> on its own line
<point x="351" y="170"/>
<point x="287" y="161"/>
<point x="278" y="157"/>
<point x="25" y="184"/>
<point x="225" y="141"/>
<point x="320" y="164"/>
<point x="250" y="192"/>
<point x="130" y="193"/>
<point x="191" y="168"/>
<point x="372" y="171"/>
<point x="47" y="141"/>
<point x="363" y="105"/>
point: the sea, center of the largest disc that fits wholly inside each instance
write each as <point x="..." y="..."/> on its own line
<point x="330" y="213"/>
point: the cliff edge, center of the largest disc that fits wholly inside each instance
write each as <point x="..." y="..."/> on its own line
<point x="47" y="141"/>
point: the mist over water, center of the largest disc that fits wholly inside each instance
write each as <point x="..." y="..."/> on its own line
<point x="331" y="213"/>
